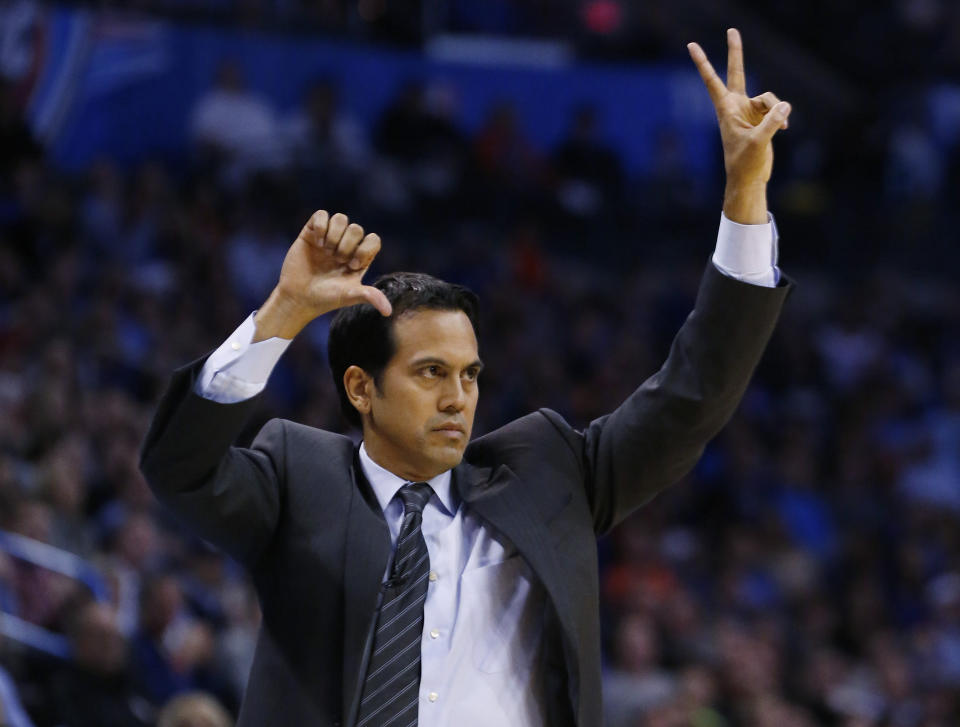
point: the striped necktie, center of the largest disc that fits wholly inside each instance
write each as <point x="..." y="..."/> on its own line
<point x="392" y="687"/>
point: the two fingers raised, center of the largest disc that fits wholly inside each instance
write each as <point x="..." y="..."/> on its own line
<point x="772" y="111"/>
<point x="715" y="86"/>
<point x="736" y="76"/>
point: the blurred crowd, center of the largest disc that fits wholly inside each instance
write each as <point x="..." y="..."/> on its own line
<point x="887" y="42"/>
<point x="806" y="573"/>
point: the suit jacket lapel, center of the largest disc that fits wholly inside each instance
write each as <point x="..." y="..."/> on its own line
<point x="367" y="552"/>
<point x="499" y="497"/>
<point x="508" y="504"/>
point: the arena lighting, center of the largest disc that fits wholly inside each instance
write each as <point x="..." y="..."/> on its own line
<point x="486" y="50"/>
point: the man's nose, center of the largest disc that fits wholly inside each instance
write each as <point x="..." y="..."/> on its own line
<point x="454" y="397"/>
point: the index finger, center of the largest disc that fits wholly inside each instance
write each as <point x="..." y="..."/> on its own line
<point x="315" y="229"/>
<point x="711" y="80"/>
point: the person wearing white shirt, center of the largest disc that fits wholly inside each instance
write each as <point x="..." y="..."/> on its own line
<point x="506" y="631"/>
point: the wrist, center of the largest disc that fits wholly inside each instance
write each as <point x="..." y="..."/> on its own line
<point x="281" y="317"/>
<point x="746" y="203"/>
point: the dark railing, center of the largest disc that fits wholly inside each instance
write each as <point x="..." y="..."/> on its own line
<point x="55" y="560"/>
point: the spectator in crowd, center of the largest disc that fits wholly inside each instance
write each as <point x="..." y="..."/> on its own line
<point x="194" y="709"/>
<point x="636" y="685"/>
<point x="324" y="140"/>
<point x="171" y="649"/>
<point x="418" y="134"/>
<point x="95" y="689"/>
<point x="18" y="146"/>
<point x="39" y="594"/>
<point x="509" y="169"/>
<point x="235" y="126"/>
<point x="403" y="128"/>
<point x="589" y="175"/>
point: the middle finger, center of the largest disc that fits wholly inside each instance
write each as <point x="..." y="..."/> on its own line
<point x="736" y="79"/>
<point x="335" y="230"/>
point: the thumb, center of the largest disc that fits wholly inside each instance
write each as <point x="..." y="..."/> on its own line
<point x="773" y="120"/>
<point x="376" y="298"/>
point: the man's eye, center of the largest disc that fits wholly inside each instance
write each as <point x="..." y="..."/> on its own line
<point x="432" y="371"/>
<point x="471" y="374"/>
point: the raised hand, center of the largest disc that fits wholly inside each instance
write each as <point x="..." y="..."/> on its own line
<point x="323" y="271"/>
<point x="747" y="126"/>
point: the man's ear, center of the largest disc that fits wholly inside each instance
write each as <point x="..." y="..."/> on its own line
<point x="359" y="387"/>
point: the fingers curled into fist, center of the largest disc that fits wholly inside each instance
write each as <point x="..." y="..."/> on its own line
<point x="315" y="231"/>
<point x="335" y="229"/>
<point x="348" y="243"/>
<point x="343" y="240"/>
<point x="767" y="102"/>
<point x="366" y="251"/>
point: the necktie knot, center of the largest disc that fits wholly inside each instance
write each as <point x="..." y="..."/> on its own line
<point x="415" y="496"/>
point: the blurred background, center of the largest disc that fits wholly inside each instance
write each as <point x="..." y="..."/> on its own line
<point x="561" y="158"/>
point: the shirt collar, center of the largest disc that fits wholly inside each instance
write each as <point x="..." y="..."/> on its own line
<point x="386" y="485"/>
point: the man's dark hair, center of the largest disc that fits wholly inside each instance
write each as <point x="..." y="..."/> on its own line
<point x="361" y="336"/>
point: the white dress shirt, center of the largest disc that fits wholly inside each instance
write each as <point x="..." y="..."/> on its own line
<point x="482" y="618"/>
<point x="484" y="608"/>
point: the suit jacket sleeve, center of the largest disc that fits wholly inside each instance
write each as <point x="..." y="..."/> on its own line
<point x="228" y="495"/>
<point x="657" y="435"/>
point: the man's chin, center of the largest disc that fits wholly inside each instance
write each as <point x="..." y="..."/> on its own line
<point x="448" y="457"/>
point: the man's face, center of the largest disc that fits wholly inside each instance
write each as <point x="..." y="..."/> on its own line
<point x="98" y="644"/>
<point x="421" y="415"/>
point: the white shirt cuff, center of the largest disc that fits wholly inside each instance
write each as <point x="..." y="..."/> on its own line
<point x="748" y="253"/>
<point x="239" y="369"/>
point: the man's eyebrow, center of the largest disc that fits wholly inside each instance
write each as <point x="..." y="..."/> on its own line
<point x="427" y="360"/>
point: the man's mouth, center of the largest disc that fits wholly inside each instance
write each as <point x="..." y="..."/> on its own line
<point x="450" y="429"/>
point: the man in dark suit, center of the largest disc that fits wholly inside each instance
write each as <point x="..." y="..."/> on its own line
<point x="423" y="578"/>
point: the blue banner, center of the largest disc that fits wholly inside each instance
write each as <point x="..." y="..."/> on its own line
<point x="100" y="84"/>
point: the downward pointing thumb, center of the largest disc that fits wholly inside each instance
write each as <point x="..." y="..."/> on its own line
<point x="376" y="298"/>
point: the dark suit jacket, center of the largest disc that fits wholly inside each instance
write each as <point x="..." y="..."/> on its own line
<point x="294" y="509"/>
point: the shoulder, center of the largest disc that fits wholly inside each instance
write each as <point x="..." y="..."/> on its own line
<point x="540" y="424"/>
<point x="295" y="441"/>
<point x="543" y="433"/>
